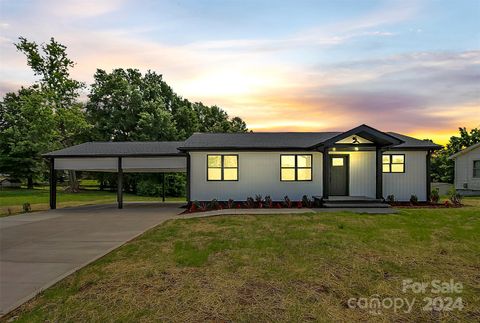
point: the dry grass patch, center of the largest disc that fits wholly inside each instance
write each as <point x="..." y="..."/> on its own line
<point x="273" y="268"/>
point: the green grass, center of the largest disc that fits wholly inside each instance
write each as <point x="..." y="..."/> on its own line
<point x="38" y="198"/>
<point x="274" y="268"/>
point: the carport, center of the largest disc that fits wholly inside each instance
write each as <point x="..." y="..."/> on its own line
<point x="120" y="158"/>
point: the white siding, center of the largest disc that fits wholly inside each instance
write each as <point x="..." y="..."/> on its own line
<point x="464" y="170"/>
<point x="129" y="164"/>
<point x="88" y="164"/>
<point x="155" y="164"/>
<point x="258" y="172"/>
<point x="413" y="181"/>
<point x="362" y="172"/>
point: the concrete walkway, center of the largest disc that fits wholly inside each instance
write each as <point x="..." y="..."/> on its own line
<point x="39" y="249"/>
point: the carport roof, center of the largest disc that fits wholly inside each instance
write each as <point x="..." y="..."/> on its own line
<point x="120" y="149"/>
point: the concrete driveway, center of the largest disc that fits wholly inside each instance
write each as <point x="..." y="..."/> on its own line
<point x="39" y="249"/>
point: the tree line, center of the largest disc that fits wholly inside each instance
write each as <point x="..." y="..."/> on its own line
<point x="121" y="105"/>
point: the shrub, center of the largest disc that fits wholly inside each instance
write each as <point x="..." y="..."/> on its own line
<point x="455" y="197"/>
<point x="259" y="200"/>
<point x="268" y="201"/>
<point x="149" y="188"/>
<point x="435" y="195"/>
<point x="203" y="206"/>
<point x="213" y="204"/>
<point x="391" y="198"/>
<point x="306" y="201"/>
<point x="230" y="203"/>
<point x="27" y="207"/>
<point x="287" y="202"/>
<point x="250" y="203"/>
<point x="413" y="199"/>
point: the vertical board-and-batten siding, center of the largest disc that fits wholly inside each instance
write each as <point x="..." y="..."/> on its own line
<point x="464" y="170"/>
<point x="258" y="173"/>
<point x="362" y="172"/>
<point x="412" y="182"/>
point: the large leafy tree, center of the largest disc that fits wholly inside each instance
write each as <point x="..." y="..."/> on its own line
<point x="51" y="63"/>
<point x="442" y="167"/>
<point x="27" y="129"/>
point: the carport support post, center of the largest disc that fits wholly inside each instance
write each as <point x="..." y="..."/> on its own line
<point x="163" y="187"/>
<point x="120" y="184"/>
<point x="326" y="173"/>
<point x="53" y="185"/>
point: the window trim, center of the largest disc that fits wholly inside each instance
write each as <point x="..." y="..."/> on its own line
<point x="390" y="163"/>
<point x="296" y="168"/>
<point x="477" y="169"/>
<point x="222" y="167"/>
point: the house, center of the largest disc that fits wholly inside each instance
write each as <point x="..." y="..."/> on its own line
<point x="362" y="162"/>
<point x="467" y="170"/>
<point x="9" y="182"/>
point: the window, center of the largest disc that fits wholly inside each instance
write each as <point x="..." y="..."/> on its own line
<point x="476" y="168"/>
<point x="222" y="168"/>
<point x="337" y="161"/>
<point x="296" y="167"/>
<point x="393" y="163"/>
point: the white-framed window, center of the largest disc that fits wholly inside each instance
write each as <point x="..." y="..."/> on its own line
<point x="476" y="169"/>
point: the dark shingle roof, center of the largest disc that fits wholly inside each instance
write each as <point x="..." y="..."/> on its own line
<point x="122" y="148"/>
<point x="410" y="142"/>
<point x="281" y="140"/>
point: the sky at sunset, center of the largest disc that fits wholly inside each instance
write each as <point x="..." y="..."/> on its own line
<point x="405" y="66"/>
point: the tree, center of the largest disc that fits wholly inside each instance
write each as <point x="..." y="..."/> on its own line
<point x="27" y="130"/>
<point x="51" y="63"/>
<point x="442" y="167"/>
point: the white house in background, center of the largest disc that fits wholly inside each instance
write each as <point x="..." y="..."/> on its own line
<point x="360" y="163"/>
<point x="467" y="170"/>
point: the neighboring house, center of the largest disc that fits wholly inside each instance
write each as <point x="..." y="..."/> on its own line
<point x="362" y="162"/>
<point x="9" y="182"/>
<point x="467" y="170"/>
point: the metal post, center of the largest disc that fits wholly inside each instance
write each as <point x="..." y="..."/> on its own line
<point x="53" y="185"/>
<point x="379" y="173"/>
<point x="163" y="187"/>
<point x="120" y="184"/>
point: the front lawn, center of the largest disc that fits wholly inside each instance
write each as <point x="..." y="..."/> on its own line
<point x="275" y="268"/>
<point x="38" y="198"/>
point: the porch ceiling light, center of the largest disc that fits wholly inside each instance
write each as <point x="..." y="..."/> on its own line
<point x="356" y="148"/>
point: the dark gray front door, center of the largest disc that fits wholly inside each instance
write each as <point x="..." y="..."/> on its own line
<point x="339" y="175"/>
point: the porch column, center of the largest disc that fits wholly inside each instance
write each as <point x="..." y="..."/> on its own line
<point x="429" y="177"/>
<point x="53" y="185"/>
<point x="379" y="173"/>
<point x="326" y="173"/>
<point x="120" y="184"/>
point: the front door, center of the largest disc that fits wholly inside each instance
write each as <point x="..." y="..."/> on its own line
<point x="339" y="175"/>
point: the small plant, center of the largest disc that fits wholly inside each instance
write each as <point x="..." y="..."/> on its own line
<point x="203" y="206"/>
<point x="193" y="207"/>
<point x="299" y="205"/>
<point x="259" y="200"/>
<point x="287" y="202"/>
<point x="390" y="199"/>
<point x="27" y="207"/>
<point x="306" y="201"/>
<point x="214" y="205"/>
<point x="413" y="199"/>
<point x="435" y="196"/>
<point x="230" y="203"/>
<point x="455" y="197"/>
<point x="250" y="203"/>
<point x="268" y="201"/>
<point x="239" y="205"/>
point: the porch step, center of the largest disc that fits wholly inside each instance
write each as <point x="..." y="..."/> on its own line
<point x="355" y="205"/>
